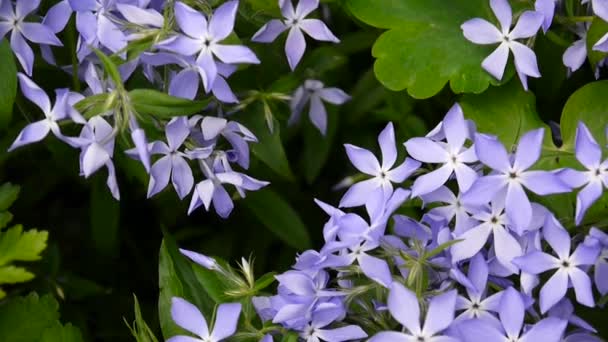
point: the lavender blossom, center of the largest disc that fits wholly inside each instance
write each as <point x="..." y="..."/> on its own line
<point x="13" y="20"/>
<point x="190" y="318"/>
<point x="480" y="31"/>
<point x="568" y="266"/>
<point x="403" y="306"/>
<point x="375" y="192"/>
<point x="511" y="177"/>
<point x="314" y="91"/>
<point x="295" y="21"/>
<point x="202" y="38"/>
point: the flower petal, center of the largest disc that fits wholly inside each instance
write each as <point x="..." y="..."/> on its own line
<point x="536" y="262"/>
<point x="502" y="11"/>
<point x="480" y="31"/>
<point x="582" y="287"/>
<point x="159" y="175"/>
<point x="472" y="242"/>
<point x="318" y="30"/>
<point x="221" y="23"/>
<point x="492" y="152"/>
<point x="190" y="21"/>
<point x="403" y="171"/>
<point x="426" y="150"/>
<point x="585" y="199"/>
<point x="386" y="140"/>
<point x="189" y="317"/>
<point x="226" y="319"/>
<point x="181" y="176"/>
<point x="375" y="269"/>
<point x="431" y="181"/>
<point x="554" y="290"/>
<point x="496" y="62"/>
<point x="525" y="59"/>
<point x="528" y="24"/>
<point x="440" y="313"/>
<point x="295" y="46"/>
<point x="518" y="207"/>
<point x="22" y="51"/>
<point x="548" y="329"/>
<point x="31" y="133"/>
<point x="34" y="93"/>
<point x="269" y="32"/>
<point x="511" y="311"/>
<point x="484" y="189"/>
<point x="318" y="114"/>
<point x="362" y="159"/>
<point x="588" y="152"/>
<point x="557" y="237"/>
<point x="403" y="305"/>
<point x="506" y="248"/>
<point x="528" y="149"/>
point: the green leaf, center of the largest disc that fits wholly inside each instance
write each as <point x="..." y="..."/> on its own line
<point x="16" y="245"/>
<point x="164" y="106"/>
<point x="264" y="281"/>
<point x="8" y="195"/>
<point x="140" y="329"/>
<point x="12" y="275"/>
<point x="424" y="48"/>
<point x="590" y="105"/>
<point x="59" y="333"/>
<point x="110" y="68"/>
<point x="212" y="283"/>
<point x="96" y="104"/>
<point x="8" y="83"/>
<point x="269" y="148"/>
<point x="440" y="248"/>
<point x="507" y="112"/>
<point x="176" y="279"/>
<point x="279" y="217"/>
<point x="34" y="318"/>
<point x="317" y="146"/>
<point x="104" y="216"/>
<point x="596" y="31"/>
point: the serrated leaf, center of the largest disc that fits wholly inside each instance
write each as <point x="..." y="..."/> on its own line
<point x="164" y="106"/>
<point x="59" y="333"/>
<point x="8" y="195"/>
<point x="424" y="48"/>
<point x="26" y="319"/>
<point x="12" y="275"/>
<point x="8" y="83"/>
<point x="16" y="245"/>
<point x="279" y="217"/>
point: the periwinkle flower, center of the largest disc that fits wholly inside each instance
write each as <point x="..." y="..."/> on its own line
<point x="510" y="177"/>
<point x="576" y="54"/>
<point x="511" y="313"/>
<point x="96" y="142"/>
<point x="403" y="306"/>
<point x="375" y="192"/>
<point x="480" y="31"/>
<point x="295" y="21"/>
<point x="547" y="9"/>
<point x="191" y="319"/>
<point x="13" y="20"/>
<point x="202" y="38"/>
<point x="210" y="191"/>
<point x="594" y="180"/>
<point x="314" y="92"/>
<point x="569" y="266"/>
<point x="454" y="210"/>
<point x="173" y="164"/>
<point x="203" y="260"/>
<point x="453" y="155"/>
<point x="63" y="109"/>
<point x="322" y="317"/>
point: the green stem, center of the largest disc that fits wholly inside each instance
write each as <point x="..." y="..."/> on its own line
<point x="557" y="39"/>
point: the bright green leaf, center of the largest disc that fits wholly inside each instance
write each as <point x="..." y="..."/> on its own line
<point x="8" y="195"/>
<point x="16" y="245"/>
<point x="162" y="105"/>
<point x="12" y="275"/>
<point x="424" y="48"/>
<point x="264" y="281"/>
<point x="279" y="217"/>
<point x="590" y="105"/>
<point x="59" y="333"/>
<point x="110" y="68"/>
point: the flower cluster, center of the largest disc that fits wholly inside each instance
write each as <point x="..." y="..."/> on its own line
<point x="481" y="31"/>
<point x="179" y="55"/>
<point x="485" y="262"/>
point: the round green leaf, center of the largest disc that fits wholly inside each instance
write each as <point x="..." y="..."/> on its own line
<point x="590" y="105"/>
<point x="425" y="48"/>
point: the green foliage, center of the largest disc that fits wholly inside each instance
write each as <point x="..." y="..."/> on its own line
<point x="34" y="318"/>
<point x="15" y="244"/>
<point x="163" y="106"/>
<point x="140" y="329"/>
<point x="285" y="221"/>
<point x="424" y="48"/>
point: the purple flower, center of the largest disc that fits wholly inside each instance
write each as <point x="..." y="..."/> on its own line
<point x="14" y="21"/>
<point x="211" y="190"/>
<point x="96" y="142"/>
<point x="203" y="39"/>
<point x="321" y="318"/>
<point x="576" y="54"/>
<point x="492" y="221"/>
<point x="589" y="154"/>
<point x="403" y="306"/>
<point x="203" y="260"/>
<point x="190" y="318"/>
<point x="480" y="31"/>
<point x="511" y="177"/>
<point x="296" y="22"/>
<point x="453" y="155"/>
<point x="97" y="27"/>
<point x="568" y="266"/>
<point x="313" y="91"/>
<point x="63" y="109"/>
<point x="511" y="313"/>
<point x="455" y="209"/>
<point x="547" y="9"/>
<point x="375" y="192"/>
<point x="173" y="164"/>
<point x="186" y="82"/>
